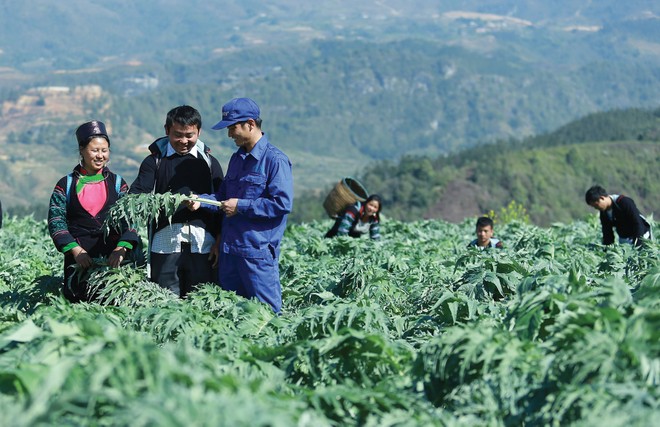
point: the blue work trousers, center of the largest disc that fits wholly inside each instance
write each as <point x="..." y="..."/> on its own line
<point x="252" y="277"/>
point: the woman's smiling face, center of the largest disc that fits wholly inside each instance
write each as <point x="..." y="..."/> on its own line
<point x="371" y="208"/>
<point x="95" y="155"/>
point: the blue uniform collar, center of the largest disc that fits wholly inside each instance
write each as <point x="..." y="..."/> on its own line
<point x="259" y="148"/>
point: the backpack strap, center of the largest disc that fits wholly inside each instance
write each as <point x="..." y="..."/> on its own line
<point x="117" y="183"/>
<point x="204" y="151"/>
<point x="69" y="181"/>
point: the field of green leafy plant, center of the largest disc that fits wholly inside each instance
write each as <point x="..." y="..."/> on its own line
<point x="415" y="330"/>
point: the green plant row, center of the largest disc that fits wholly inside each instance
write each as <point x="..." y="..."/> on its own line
<point x="415" y="330"/>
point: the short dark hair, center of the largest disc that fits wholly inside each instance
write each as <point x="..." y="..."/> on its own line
<point x="184" y="115"/>
<point x="257" y="123"/>
<point x="484" y="221"/>
<point x="594" y="194"/>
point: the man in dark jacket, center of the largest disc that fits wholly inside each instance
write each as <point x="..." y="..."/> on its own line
<point x="620" y="212"/>
<point x="183" y="252"/>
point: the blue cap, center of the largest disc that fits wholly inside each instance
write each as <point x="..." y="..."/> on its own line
<point x="237" y="110"/>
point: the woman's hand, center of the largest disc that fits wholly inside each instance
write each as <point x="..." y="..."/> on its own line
<point x="81" y="257"/>
<point x="117" y="256"/>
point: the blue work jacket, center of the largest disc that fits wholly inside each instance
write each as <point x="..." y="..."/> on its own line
<point x="262" y="182"/>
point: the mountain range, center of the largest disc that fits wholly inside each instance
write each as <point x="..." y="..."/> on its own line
<point x="342" y="86"/>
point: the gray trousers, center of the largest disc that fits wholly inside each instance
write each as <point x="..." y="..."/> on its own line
<point x="181" y="272"/>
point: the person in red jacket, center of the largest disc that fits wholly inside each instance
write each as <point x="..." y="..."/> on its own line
<point x="618" y="212"/>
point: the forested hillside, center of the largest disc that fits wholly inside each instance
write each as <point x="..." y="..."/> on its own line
<point x="547" y="174"/>
<point x="38" y="35"/>
<point x="341" y="86"/>
<point x="334" y="111"/>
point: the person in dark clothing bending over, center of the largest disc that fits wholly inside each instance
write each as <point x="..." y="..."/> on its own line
<point x="183" y="252"/>
<point x="359" y="219"/>
<point x="620" y="212"/>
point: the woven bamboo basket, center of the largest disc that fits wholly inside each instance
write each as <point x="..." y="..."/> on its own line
<point x="346" y="192"/>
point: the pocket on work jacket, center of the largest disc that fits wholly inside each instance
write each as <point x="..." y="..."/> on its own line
<point x="253" y="185"/>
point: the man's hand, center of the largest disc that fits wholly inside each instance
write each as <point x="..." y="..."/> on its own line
<point x="192" y="204"/>
<point x="229" y="207"/>
<point x="214" y="256"/>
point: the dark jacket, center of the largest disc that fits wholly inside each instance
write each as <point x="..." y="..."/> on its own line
<point x="625" y="217"/>
<point x="494" y="243"/>
<point x="180" y="175"/>
<point x="70" y="222"/>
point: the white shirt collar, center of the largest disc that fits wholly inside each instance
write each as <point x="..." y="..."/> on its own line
<point x="171" y="150"/>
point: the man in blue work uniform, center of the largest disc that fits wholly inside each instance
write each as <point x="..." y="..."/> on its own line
<point x="256" y="196"/>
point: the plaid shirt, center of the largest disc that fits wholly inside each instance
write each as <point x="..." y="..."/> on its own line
<point x="168" y="240"/>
